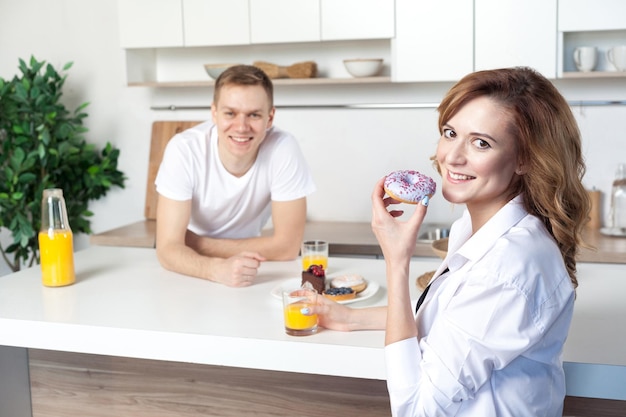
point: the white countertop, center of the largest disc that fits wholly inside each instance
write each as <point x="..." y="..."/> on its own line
<point x="125" y="304"/>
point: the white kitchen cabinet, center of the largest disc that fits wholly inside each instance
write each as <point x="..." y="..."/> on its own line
<point x="512" y="33"/>
<point x="150" y="23"/>
<point x="284" y="21"/>
<point x="591" y="15"/>
<point x="434" y="40"/>
<point x="216" y="22"/>
<point x="357" y="19"/>
<point x="424" y="40"/>
<point x="599" y="23"/>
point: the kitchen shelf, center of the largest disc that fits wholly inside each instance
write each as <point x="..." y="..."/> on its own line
<point x="594" y="74"/>
<point x="347" y="81"/>
<point x="279" y="81"/>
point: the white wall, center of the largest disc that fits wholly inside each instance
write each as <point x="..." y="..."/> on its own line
<point x="86" y="33"/>
<point x="347" y="149"/>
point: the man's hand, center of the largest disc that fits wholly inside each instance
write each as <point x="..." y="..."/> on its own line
<point x="239" y="270"/>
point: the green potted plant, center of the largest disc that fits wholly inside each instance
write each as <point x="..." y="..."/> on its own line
<point x="42" y="146"/>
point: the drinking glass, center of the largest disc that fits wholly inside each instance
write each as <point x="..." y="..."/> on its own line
<point x="297" y="323"/>
<point x="314" y="252"/>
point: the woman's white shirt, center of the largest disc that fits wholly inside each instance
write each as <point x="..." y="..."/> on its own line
<point x="491" y="330"/>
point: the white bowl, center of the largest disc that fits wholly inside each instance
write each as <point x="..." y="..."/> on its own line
<point x="214" y="70"/>
<point x="363" y="67"/>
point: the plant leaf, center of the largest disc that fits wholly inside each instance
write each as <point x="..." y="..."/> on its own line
<point x="42" y="146"/>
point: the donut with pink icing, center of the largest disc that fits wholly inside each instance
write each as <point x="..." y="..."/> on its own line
<point x="354" y="281"/>
<point x="409" y="186"/>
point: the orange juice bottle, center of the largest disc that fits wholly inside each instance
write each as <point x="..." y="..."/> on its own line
<point x="56" y="248"/>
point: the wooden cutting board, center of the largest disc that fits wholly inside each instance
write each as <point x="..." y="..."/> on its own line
<point x="162" y="132"/>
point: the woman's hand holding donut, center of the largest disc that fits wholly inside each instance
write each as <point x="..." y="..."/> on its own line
<point x="397" y="241"/>
<point x="396" y="238"/>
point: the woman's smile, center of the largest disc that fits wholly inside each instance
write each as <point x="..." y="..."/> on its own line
<point x="460" y="177"/>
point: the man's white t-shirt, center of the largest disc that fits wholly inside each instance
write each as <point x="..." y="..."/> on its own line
<point x="224" y="206"/>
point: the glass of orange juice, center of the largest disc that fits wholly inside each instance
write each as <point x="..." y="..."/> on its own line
<point x="294" y="301"/>
<point x="314" y="252"/>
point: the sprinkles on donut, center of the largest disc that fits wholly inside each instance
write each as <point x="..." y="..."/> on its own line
<point x="409" y="186"/>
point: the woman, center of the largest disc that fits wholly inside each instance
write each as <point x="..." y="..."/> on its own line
<point x="488" y="338"/>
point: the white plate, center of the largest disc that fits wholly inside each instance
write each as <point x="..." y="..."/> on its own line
<point x="608" y="231"/>
<point x="372" y="288"/>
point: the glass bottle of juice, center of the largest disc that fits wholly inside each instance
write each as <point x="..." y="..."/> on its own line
<point x="618" y="200"/>
<point x="56" y="247"/>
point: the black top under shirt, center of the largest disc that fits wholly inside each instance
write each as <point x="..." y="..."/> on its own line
<point x="423" y="296"/>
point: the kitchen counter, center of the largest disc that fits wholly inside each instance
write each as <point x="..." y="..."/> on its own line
<point x="123" y="294"/>
<point x="125" y="305"/>
<point x="357" y="239"/>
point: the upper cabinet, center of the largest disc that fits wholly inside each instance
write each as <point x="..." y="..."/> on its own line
<point x="176" y="23"/>
<point x="283" y="21"/>
<point x="150" y="23"/>
<point x="597" y="23"/>
<point x="434" y="40"/>
<point x="357" y="19"/>
<point x="168" y="41"/>
<point x="447" y="39"/>
<point x="215" y="22"/>
<point x="591" y="15"/>
<point x="513" y="33"/>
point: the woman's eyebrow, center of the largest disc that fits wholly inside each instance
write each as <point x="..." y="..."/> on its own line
<point x="483" y="135"/>
<point x="486" y="135"/>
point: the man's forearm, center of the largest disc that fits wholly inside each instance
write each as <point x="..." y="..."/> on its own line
<point x="270" y="247"/>
<point x="185" y="260"/>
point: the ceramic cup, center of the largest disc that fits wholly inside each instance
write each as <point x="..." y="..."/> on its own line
<point x="617" y="56"/>
<point x="585" y="58"/>
<point x="314" y="252"/>
<point x="294" y="301"/>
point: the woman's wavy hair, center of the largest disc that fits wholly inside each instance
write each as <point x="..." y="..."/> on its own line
<point x="548" y="145"/>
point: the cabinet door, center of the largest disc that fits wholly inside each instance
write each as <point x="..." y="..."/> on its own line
<point x="216" y="22"/>
<point x="589" y="15"/>
<point x="357" y="19"/>
<point x="281" y="21"/>
<point x="150" y="23"/>
<point x="434" y="40"/>
<point x="512" y="32"/>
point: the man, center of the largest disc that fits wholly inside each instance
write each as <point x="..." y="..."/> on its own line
<point x="220" y="181"/>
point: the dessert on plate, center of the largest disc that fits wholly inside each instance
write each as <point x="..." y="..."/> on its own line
<point x="316" y="276"/>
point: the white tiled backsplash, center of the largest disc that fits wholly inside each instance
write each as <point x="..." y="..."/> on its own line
<point x="349" y="150"/>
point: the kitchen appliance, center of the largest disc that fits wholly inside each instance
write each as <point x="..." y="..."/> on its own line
<point x="617" y="215"/>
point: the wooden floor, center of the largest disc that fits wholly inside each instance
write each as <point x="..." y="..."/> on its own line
<point x="593" y="407"/>
<point x="79" y="385"/>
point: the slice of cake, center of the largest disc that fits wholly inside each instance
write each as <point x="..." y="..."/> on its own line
<point x="316" y="276"/>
